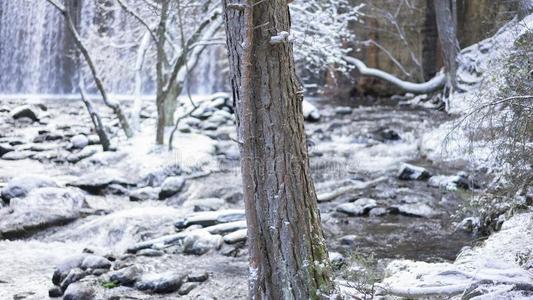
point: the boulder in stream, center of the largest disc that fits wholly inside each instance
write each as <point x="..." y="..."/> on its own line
<point x="411" y="172"/>
<point x="21" y="186"/>
<point x="41" y="208"/>
<point x="171" y="186"/>
<point x="24" y="111"/>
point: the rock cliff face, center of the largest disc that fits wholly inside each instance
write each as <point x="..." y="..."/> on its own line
<point x="406" y="30"/>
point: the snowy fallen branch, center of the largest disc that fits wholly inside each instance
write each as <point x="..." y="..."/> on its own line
<point x="432" y="85"/>
<point x="330" y="196"/>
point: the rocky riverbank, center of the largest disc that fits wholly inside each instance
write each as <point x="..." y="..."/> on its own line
<point x="149" y="223"/>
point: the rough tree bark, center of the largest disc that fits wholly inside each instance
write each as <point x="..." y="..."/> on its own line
<point x="288" y="255"/>
<point x="446" y="15"/>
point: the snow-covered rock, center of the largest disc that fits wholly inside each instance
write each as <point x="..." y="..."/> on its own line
<point x="171" y="186"/>
<point x="79" y="141"/>
<point x="411" y="172"/>
<point x="24" y="111"/>
<point x="359" y="207"/>
<point x="200" y="241"/>
<point x="41" y="208"/>
<point x="310" y="112"/>
<point x="21" y="186"/>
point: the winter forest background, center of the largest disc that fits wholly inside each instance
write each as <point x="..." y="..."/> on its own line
<point x="383" y="149"/>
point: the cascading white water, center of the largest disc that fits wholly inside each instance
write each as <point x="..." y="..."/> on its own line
<point x="37" y="53"/>
<point x="32" y="48"/>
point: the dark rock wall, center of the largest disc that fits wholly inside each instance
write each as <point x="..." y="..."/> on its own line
<point x="408" y="31"/>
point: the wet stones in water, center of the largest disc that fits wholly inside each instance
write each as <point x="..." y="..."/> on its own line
<point x="79" y="291"/>
<point x="24" y="112"/>
<point x="96" y="183"/>
<point x="73" y="276"/>
<point x="358" y="208"/>
<point x="42" y="208"/>
<point x="18" y="155"/>
<point x="348" y="240"/>
<point x="95" y="262"/>
<point x="150" y="253"/>
<point x="415" y="210"/>
<point x="310" y="112"/>
<point x="411" y="172"/>
<point x="343" y="110"/>
<point x="197" y="276"/>
<point x="79" y="141"/>
<point x="199" y="242"/>
<point x="160" y="283"/>
<point x="127" y="276"/>
<point x="55" y="292"/>
<point x="236" y="236"/>
<point x="187" y="287"/>
<point x="5" y="148"/>
<point x="450" y="183"/>
<point x="386" y="134"/>
<point x="226" y="227"/>
<point x="83" y="154"/>
<point x="145" y="193"/>
<point x="21" y="186"/>
<point x="337" y="260"/>
<point x="171" y="186"/>
<point x="211" y="218"/>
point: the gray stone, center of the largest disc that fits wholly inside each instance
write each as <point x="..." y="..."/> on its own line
<point x="378" y="211"/>
<point x="24" y="112"/>
<point x="127" y="276"/>
<point x="211" y="218"/>
<point x="197" y="276"/>
<point x="145" y="193"/>
<point x="62" y="270"/>
<point x="79" y="291"/>
<point x="21" y="186"/>
<point x="411" y="172"/>
<point x="358" y="208"/>
<point x="5" y="148"/>
<point x="171" y="186"/>
<point x="199" y="242"/>
<point x="74" y="275"/>
<point x="343" y="110"/>
<point x="150" y="253"/>
<point x="42" y="208"/>
<point x="79" y="141"/>
<point x="83" y="154"/>
<point x="55" y="292"/>
<point x="349" y="240"/>
<point x="97" y="182"/>
<point x="236" y="236"/>
<point x="18" y="155"/>
<point x="160" y="283"/>
<point x="187" y="287"/>
<point x="416" y="210"/>
<point x="95" y="262"/>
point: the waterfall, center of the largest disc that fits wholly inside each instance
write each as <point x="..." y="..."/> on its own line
<point x="37" y="53"/>
<point x="33" y="52"/>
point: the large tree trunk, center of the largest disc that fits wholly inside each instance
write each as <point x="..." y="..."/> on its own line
<point x="160" y="74"/>
<point x="446" y="15"/>
<point x="288" y="255"/>
<point x="171" y="103"/>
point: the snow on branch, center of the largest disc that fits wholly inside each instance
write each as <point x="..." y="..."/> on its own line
<point x="432" y="85"/>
